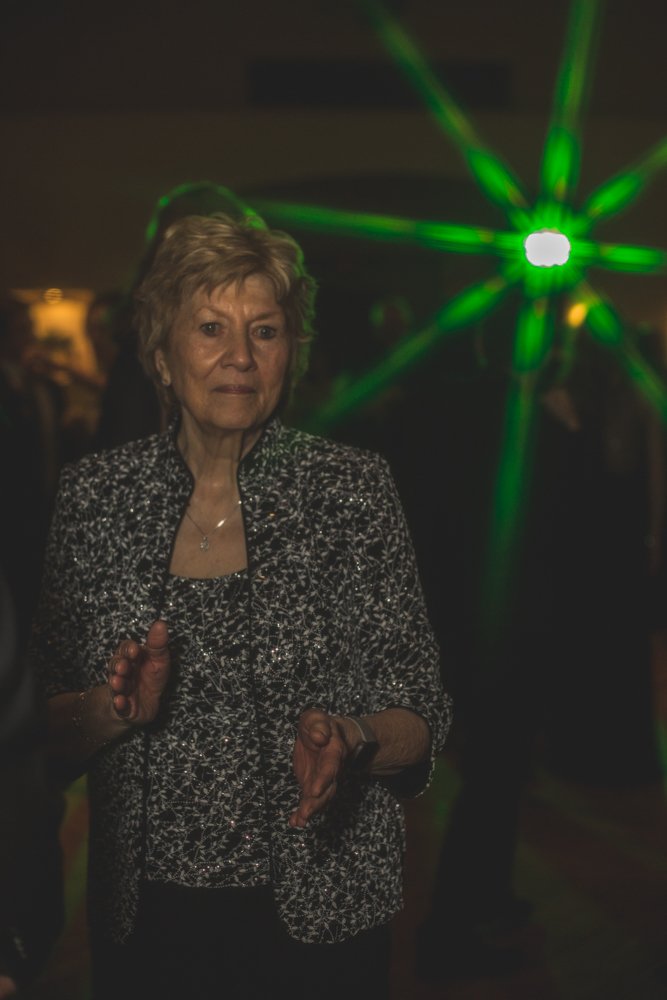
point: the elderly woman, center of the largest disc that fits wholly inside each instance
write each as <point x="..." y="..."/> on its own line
<point x="234" y="646"/>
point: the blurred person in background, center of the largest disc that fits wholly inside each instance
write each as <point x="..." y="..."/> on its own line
<point x="101" y="324"/>
<point x="567" y="678"/>
<point x="30" y="446"/>
<point x="31" y="884"/>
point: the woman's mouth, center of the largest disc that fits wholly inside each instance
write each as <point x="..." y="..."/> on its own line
<point x="235" y="390"/>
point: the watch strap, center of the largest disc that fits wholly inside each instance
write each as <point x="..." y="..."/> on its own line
<point x="362" y="754"/>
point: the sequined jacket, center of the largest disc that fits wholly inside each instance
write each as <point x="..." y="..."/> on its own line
<point x="337" y="620"/>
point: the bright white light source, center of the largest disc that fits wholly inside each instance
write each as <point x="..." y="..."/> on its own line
<point x="547" y="248"/>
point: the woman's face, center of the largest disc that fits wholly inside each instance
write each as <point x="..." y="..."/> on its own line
<point x="228" y="355"/>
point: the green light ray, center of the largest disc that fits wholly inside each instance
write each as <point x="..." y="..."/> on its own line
<point x="624" y="187"/>
<point x="560" y="165"/>
<point x="649" y="384"/>
<point x="607" y="326"/>
<point x="551" y="214"/>
<point x="602" y="320"/>
<point x="467" y="307"/>
<point x="514" y="472"/>
<point x="409" y="58"/>
<point x="617" y="257"/>
<point x="534" y="335"/>
<point x="541" y="286"/>
<point x="548" y="281"/>
<point x="496" y="179"/>
<point x="364" y="225"/>
<point x="577" y="64"/>
<point x="562" y="152"/>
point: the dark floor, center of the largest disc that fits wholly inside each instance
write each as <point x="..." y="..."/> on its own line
<point x="592" y="860"/>
<point x="594" y="863"/>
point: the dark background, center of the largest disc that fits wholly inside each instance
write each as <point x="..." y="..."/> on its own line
<point x="104" y="107"/>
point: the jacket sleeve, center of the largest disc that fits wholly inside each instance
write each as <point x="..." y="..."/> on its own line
<point x="400" y="654"/>
<point x="63" y="605"/>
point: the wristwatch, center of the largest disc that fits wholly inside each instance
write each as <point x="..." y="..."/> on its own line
<point x="362" y="754"/>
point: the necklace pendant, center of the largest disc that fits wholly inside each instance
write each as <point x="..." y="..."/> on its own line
<point x="203" y="545"/>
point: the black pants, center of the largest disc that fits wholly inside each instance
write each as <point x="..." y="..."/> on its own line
<point x="228" y="944"/>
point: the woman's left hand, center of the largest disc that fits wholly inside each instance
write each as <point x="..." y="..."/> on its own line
<point x="318" y="758"/>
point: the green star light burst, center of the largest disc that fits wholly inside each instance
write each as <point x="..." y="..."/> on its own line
<point x="552" y="212"/>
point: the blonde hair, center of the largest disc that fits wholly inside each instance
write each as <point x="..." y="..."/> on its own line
<point x="209" y="252"/>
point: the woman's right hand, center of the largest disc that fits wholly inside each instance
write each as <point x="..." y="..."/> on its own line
<point x="138" y="675"/>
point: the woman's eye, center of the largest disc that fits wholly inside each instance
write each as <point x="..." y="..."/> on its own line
<point x="266" y="332"/>
<point x="210" y="329"/>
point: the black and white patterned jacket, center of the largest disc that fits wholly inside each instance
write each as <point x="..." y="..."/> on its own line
<point x="337" y="620"/>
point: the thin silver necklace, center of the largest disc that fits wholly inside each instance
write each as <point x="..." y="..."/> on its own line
<point x="204" y="545"/>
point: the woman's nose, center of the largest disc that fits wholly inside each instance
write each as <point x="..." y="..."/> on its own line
<point x="238" y="350"/>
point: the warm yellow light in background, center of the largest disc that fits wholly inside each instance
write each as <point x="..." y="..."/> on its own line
<point x="59" y="322"/>
<point x="59" y="319"/>
<point x="576" y="314"/>
<point x="60" y="327"/>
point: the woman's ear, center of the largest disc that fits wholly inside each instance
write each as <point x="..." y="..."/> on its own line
<point x="162" y="367"/>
